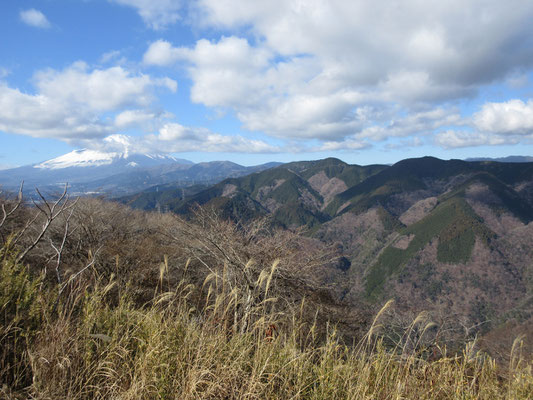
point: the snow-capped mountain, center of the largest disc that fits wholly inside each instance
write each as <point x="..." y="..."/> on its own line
<point x="80" y="168"/>
<point x="116" y="173"/>
<point x="95" y="158"/>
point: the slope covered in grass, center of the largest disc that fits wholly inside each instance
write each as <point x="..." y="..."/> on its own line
<point x="96" y="343"/>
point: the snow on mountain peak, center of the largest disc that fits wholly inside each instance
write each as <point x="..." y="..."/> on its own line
<point x="79" y="158"/>
<point x="96" y="158"/>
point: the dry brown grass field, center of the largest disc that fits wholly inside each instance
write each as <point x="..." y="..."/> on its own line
<point x="98" y="301"/>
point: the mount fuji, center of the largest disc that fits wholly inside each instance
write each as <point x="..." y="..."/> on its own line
<point x="92" y="172"/>
<point x="93" y="158"/>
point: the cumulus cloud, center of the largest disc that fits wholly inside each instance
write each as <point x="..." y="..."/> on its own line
<point x="348" y="144"/>
<point x="157" y="14"/>
<point x="40" y="116"/>
<point x="99" y="89"/>
<point x="87" y="106"/>
<point x="176" y="138"/>
<point x="450" y="41"/>
<point x="76" y="102"/>
<point x="513" y="117"/>
<point x="130" y="118"/>
<point x="34" y="18"/>
<point x="335" y="73"/>
<point x="508" y="122"/>
<point x="416" y="123"/>
<point x="454" y="139"/>
<point x="161" y="53"/>
<point x="173" y="137"/>
<point x="306" y="69"/>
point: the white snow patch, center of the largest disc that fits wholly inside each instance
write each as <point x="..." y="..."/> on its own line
<point x="79" y="158"/>
<point x="95" y="158"/>
<point x="160" y="157"/>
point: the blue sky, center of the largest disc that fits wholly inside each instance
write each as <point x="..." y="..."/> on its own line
<point x="258" y="81"/>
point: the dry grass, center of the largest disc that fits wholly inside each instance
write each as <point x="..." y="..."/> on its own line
<point x="97" y="344"/>
<point x="230" y="315"/>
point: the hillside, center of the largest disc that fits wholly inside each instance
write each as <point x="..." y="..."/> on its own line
<point x="441" y="235"/>
<point x="438" y="235"/>
<point x="294" y="194"/>
<point x="123" y="304"/>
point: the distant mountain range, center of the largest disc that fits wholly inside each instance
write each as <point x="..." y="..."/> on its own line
<point x="90" y="172"/>
<point x="115" y="174"/>
<point x="454" y="237"/>
<point x="512" y="159"/>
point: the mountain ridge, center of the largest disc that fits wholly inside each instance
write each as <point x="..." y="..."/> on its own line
<point x="435" y="234"/>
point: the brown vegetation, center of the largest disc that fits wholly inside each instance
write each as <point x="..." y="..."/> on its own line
<point x="101" y="301"/>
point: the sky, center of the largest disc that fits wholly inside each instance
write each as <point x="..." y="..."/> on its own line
<point x="258" y="81"/>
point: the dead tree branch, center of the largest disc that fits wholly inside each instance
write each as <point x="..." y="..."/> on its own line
<point x="59" y="250"/>
<point x="50" y="211"/>
<point x="5" y="213"/>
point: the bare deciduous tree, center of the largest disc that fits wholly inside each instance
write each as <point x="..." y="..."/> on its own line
<point x="50" y="211"/>
<point x="7" y="213"/>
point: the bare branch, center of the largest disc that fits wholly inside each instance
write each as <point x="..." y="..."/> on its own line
<point x="59" y="250"/>
<point x="50" y="213"/>
<point x="5" y="213"/>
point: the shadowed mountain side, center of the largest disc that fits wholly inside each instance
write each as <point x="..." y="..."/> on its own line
<point x="295" y="194"/>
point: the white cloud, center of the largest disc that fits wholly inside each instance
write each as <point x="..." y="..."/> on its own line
<point x="176" y="138"/>
<point x="348" y="144"/>
<point x="305" y="69"/>
<point x="129" y="118"/>
<point x="113" y="57"/>
<point x="412" y="125"/>
<point x="343" y="74"/>
<point x="173" y="137"/>
<point x="495" y="124"/>
<point x="416" y="123"/>
<point x="232" y="74"/>
<point x="228" y="73"/>
<point x="414" y="87"/>
<point x="157" y="14"/>
<point x="455" y="139"/>
<point x="87" y="106"/>
<point x="34" y="18"/>
<point x="40" y="116"/>
<point x="77" y="102"/>
<point x="161" y="53"/>
<point x="513" y="117"/>
<point x="99" y="89"/>
<point x="452" y="41"/>
<point x="296" y="99"/>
